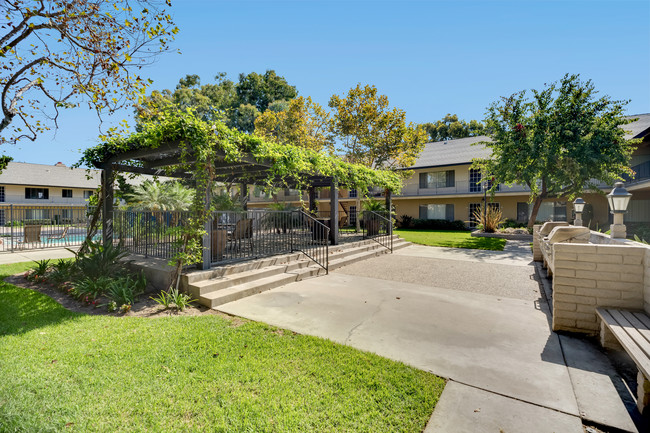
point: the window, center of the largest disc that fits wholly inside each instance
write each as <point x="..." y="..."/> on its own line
<point x="353" y="215"/>
<point x="37" y="193"/>
<point x="438" y="179"/>
<point x="473" y="208"/>
<point x="437" y="212"/>
<point x="353" y="193"/>
<point x="522" y="212"/>
<point x="475" y="180"/>
<point x="66" y="193"/>
<point x="88" y="193"/>
<point x="2" y="194"/>
<point x="552" y="211"/>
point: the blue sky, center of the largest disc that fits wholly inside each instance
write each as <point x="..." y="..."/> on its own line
<point x="429" y="57"/>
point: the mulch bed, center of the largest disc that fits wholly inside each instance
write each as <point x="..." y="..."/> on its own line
<point x="146" y="307"/>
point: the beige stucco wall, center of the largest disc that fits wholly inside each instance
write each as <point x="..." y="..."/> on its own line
<point x="15" y="194"/>
<point x="411" y="207"/>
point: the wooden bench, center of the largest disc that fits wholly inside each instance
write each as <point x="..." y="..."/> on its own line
<point x="631" y="329"/>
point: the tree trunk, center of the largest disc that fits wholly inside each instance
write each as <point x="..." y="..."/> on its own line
<point x="533" y="215"/>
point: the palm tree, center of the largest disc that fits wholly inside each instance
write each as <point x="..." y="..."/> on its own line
<point x="156" y="196"/>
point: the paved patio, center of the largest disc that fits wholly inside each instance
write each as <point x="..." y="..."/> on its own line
<point x="474" y="317"/>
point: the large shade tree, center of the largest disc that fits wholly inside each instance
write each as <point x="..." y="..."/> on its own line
<point x="59" y="53"/>
<point x="301" y="123"/>
<point x="373" y="134"/>
<point x="237" y="104"/>
<point x="450" y="127"/>
<point x="562" y="141"/>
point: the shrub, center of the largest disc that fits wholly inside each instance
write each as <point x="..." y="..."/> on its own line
<point x="89" y="288"/>
<point x="405" y="221"/>
<point x="510" y="223"/>
<point x="490" y="218"/>
<point x="100" y="261"/>
<point x="61" y="271"/>
<point x="125" y="290"/>
<point x="425" y="224"/>
<point x="174" y="299"/>
<point x="373" y="205"/>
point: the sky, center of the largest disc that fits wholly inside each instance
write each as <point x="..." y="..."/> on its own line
<point x="429" y="57"/>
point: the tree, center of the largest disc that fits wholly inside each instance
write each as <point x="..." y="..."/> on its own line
<point x="261" y="90"/>
<point x="157" y="196"/>
<point x="450" y="127"/>
<point x="373" y="134"/>
<point x="561" y="142"/>
<point x="237" y="104"/>
<point x="302" y="123"/>
<point x="57" y="53"/>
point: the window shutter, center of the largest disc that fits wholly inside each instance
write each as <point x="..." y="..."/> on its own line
<point x="27" y="192"/>
<point x="423" y="211"/>
<point x="451" y="178"/>
<point x="449" y="212"/>
<point x="423" y="180"/>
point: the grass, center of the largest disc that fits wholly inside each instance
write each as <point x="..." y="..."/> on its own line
<point x="452" y="239"/>
<point x="63" y="371"/>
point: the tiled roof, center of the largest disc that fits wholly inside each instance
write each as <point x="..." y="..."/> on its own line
<point x="639" y="128"/>
<point x="23" y="173"/>
<point x="463" y="150"/>
<point x="451" y="152"/>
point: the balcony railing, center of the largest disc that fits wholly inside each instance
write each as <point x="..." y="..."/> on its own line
<point x="460" y="187"/>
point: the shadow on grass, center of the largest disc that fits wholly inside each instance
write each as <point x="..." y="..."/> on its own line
<point x="23" y="310"/>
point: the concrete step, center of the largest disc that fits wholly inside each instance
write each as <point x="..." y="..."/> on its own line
<point x="343" y="261"/>
<point x="352" y="250"/>
<point x="200" y="288"/>
<point x="219" y="297"/>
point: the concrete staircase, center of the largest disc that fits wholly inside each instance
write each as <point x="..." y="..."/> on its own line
<point x="229" y="283"/>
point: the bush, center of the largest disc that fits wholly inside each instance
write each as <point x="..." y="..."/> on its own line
<point x="41" y="222"/>
<point x="125" y="290"/>
<point x="61" y="271"/>
<point x="405" y="221"/>
<point x="438" y="224"/>
<point x="490" y="218"/>
<point x="100" y="261"/>
<point x="512" y="224"/>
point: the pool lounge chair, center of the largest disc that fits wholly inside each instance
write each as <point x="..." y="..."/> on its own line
<point x="63" y="236"/>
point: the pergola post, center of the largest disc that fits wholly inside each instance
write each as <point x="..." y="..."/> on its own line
<point x="107" y="206"/>
<point x="389" y="210"/>
<point x="244" y="195"/>
<point x="334" y="213"/>
<point x="205" y="241"/>
<point x="312" y="199"/>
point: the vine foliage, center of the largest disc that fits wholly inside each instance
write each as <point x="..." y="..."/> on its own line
<point x="203" y="143"/>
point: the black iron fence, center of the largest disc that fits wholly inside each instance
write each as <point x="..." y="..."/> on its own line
<point x="261" y="233"/>
<point x="35" y="227"/>
<point x="149" y="233"/>
<point x="378" y="226"/>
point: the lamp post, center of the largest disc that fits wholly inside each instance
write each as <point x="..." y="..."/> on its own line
<point x="618" y="200"/>
<point x="578" y="207"/>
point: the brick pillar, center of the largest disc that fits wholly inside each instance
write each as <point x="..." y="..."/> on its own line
<point x="642" y="392"/>
<point x="537" y="251"/>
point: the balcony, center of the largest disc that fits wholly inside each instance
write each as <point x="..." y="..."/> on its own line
<point x="460" y="187"/>
<point x="51" y="201"/>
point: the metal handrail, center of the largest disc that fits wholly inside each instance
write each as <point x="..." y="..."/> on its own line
<point x="316" y="247"/>
<point x="375" y="234"/>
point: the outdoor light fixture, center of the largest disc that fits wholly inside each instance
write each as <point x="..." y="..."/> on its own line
<point x="618" y="200"/>
<point x="578" y="207"/>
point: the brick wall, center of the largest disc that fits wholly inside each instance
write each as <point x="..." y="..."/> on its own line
<point x="587" y="276"/>
<point x="646" y="289"/>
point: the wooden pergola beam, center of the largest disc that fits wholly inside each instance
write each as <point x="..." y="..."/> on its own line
<point x="143" y="153"/>
<point x="151" y="171"/>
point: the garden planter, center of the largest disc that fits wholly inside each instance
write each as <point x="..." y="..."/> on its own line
<point x="218" y="246"/>
<point x="372" y="227"/>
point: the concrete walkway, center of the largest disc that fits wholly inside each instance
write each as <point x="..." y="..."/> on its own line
<point x="474" y="317"/>
<point x="35" y="255"/>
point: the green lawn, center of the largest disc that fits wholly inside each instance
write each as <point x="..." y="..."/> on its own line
<point x="63" y="371"/>
<point x="453" y="239"/>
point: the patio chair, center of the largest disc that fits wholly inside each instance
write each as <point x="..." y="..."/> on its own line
<point x="243" y="230"/>
<point x="32" y="235"/>
<point x="63" y="236"/>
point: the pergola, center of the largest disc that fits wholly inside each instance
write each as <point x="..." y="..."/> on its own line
<point x="166" y="159"/>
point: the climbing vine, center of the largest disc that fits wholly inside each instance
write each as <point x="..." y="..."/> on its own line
<point x="202" y="142"/>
